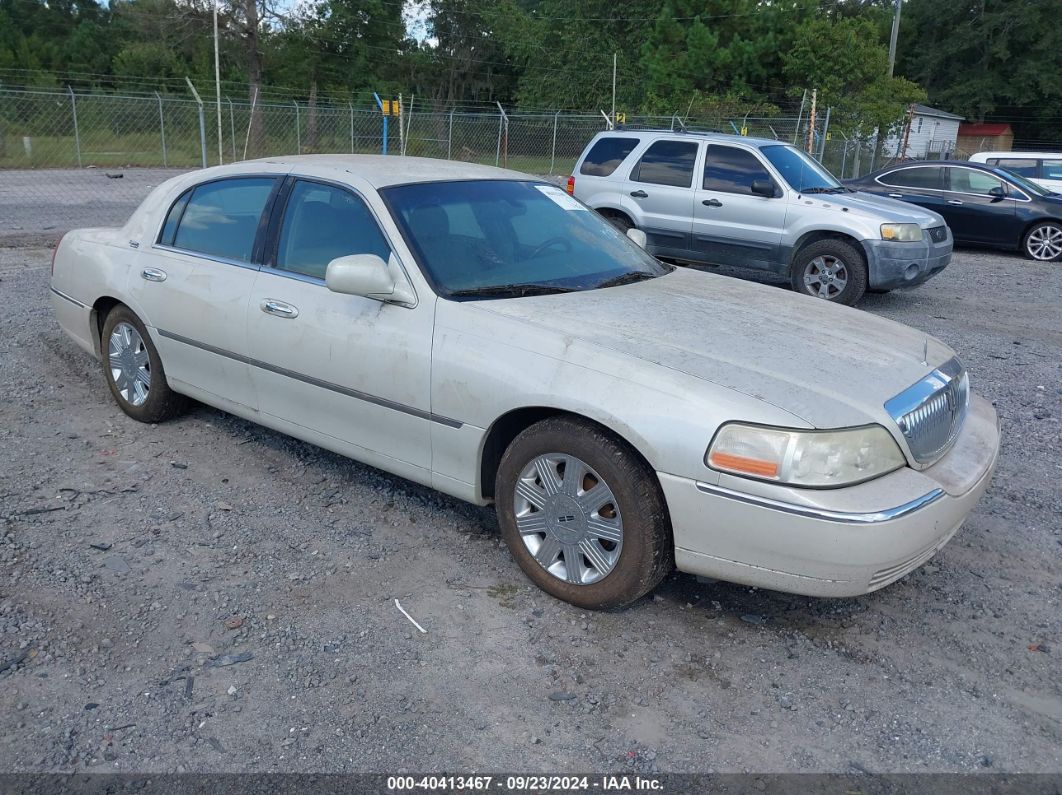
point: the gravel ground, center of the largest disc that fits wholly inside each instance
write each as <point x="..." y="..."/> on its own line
<point x="207" y="595"/>
<point x="37" y="206"/>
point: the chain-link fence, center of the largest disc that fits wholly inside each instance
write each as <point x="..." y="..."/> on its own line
<point x="73" y="158"/>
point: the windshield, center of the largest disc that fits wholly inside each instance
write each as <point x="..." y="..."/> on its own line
<point x="803" y="174"/>
<point x="492" y="238"/>
<point x="1025" y="184"/>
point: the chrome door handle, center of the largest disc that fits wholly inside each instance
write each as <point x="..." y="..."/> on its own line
<point x="153" y="275"/>
<point x="639" y="194"/>
<point x="712" y="203"/>
<point x="955" y="202"/>
<point x="279" y="309"/>
<point x="895" y="195"/>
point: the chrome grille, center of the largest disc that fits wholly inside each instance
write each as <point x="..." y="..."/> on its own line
<point x="930" y="413"/>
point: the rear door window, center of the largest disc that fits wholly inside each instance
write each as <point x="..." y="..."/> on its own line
<point x="924" y="177"/>
<point x="221" y="218"/>
<point x="667" y="163"/>
<point x="606" y="155"/>
<point x="1052" y="169"/>
<point x="732" y="170"/>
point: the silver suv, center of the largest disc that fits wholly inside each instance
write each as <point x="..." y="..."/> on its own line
<point x="759" y="204"/>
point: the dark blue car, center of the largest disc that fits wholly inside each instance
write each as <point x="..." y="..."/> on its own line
<point x="983" y="205"/>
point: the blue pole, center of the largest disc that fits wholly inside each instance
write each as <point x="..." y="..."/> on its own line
<point x="379" y="104"/>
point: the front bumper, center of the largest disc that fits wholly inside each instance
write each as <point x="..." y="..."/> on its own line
<point x="835" y="542"/>
<point x="891" y="265"/>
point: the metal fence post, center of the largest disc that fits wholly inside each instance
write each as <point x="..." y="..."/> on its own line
<point x="77" y="134"/>
<point x="202" y="120"/>
<point x="450" y="137"/>
<point x="379" y="104"/>
<point x="232" y="128"/>
<point x="162" y="130"/>
<point x="298" y="129"/>
<point x="553" y="150"/>
<point x="351" y="127"/>
<point x="825" y="132"/>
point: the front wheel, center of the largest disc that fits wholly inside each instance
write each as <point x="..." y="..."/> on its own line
<point x="1044" y="242"/>
<point x="830" y="269"/>
<point x="582" y="514"/>
<point x="134" y="371"/>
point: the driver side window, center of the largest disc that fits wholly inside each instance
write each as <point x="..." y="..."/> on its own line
<point x="323" y="222"/>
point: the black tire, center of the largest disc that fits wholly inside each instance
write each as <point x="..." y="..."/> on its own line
<point x="833" y="252"/>
<point x="1036" y="249"/>
<point x="618" y="220"/>
<point x="646" y="553"/>
<point x="160" y="403"/>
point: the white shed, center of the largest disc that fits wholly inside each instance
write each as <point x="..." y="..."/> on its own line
<point x="933" y="135"/>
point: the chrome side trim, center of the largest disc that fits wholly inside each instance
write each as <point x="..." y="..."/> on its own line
<point x="306" y="379"/>
<point x="872" y="517"/>
<point x="68" y="298"/>
<point x="208" y="257"/>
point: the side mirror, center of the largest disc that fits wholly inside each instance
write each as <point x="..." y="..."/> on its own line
<point x="638" y="236"/>
<point x="762" y="187"/>
<point x="369" y="276"/>
<point x="997" y="193"/>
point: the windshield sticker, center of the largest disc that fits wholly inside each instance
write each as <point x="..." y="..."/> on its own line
<point x="561" y="198"/>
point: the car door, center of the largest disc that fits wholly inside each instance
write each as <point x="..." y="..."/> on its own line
<point x="661" y="187"/>
<point x="354" y="371"/>
<point x="731" y="224"/>
<point x="193" y="284"/>
<point x="973" y="213"/>
<point x="921" y="185"/>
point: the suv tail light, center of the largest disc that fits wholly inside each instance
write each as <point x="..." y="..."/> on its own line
<point x="571" y="186"/>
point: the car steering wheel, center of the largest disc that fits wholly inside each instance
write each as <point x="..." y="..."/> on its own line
<point x="561" y="242"/>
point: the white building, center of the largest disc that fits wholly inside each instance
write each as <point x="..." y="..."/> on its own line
<point x="933" y="135"/>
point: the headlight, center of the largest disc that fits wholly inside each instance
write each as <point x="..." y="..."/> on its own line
<point x="804" y="458"/>
<point x="902" y="233"/>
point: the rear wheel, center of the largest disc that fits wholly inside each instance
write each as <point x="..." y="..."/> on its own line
<point x="582" y="514"/>
<point x="1044" y="242"/>
<point x="830" y="269"/>
<point x="618" y="220"/>
<point x="134" y="370"/>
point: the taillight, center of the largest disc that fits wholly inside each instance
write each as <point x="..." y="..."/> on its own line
<point x="571" y="186"/>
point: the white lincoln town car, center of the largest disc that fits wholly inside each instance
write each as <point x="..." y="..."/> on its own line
<point x="481" y="332"/>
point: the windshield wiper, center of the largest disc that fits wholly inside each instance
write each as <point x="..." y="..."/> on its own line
<point x="625" y="278"/>
<point x="509" y="291"/>
<point x="838" y="189"/>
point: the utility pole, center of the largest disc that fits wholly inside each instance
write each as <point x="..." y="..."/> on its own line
<point x="217" y="83"/>
<point x="894" y="36"/>
<point x="811" y="122"/>
<point x="613" y="90"/>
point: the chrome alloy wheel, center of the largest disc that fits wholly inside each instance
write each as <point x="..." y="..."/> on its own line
<point x="568" y="518"/>
<point x="1044" y="243"/>
<point x="825" y="277"/>
<point x="129" y="364"/>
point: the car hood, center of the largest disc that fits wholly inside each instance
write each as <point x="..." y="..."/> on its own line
<point x="830" y="365"/>
<point x="870" y="205"/>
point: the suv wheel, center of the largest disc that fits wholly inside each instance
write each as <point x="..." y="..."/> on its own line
<point x="618" y="220"/>
<point x="582" y="514"/>
<point x="830" y="269"/>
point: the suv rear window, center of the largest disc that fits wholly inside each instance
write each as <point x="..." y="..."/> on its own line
<point x="667" y="163"/>
<point x="606" y="155"/>
<point x="1019" y="165"/>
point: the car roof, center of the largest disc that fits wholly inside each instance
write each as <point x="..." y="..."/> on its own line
<point x="381" y="171"/>
<point x="1020" y="155"/>
<point x="725" y="138"/>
